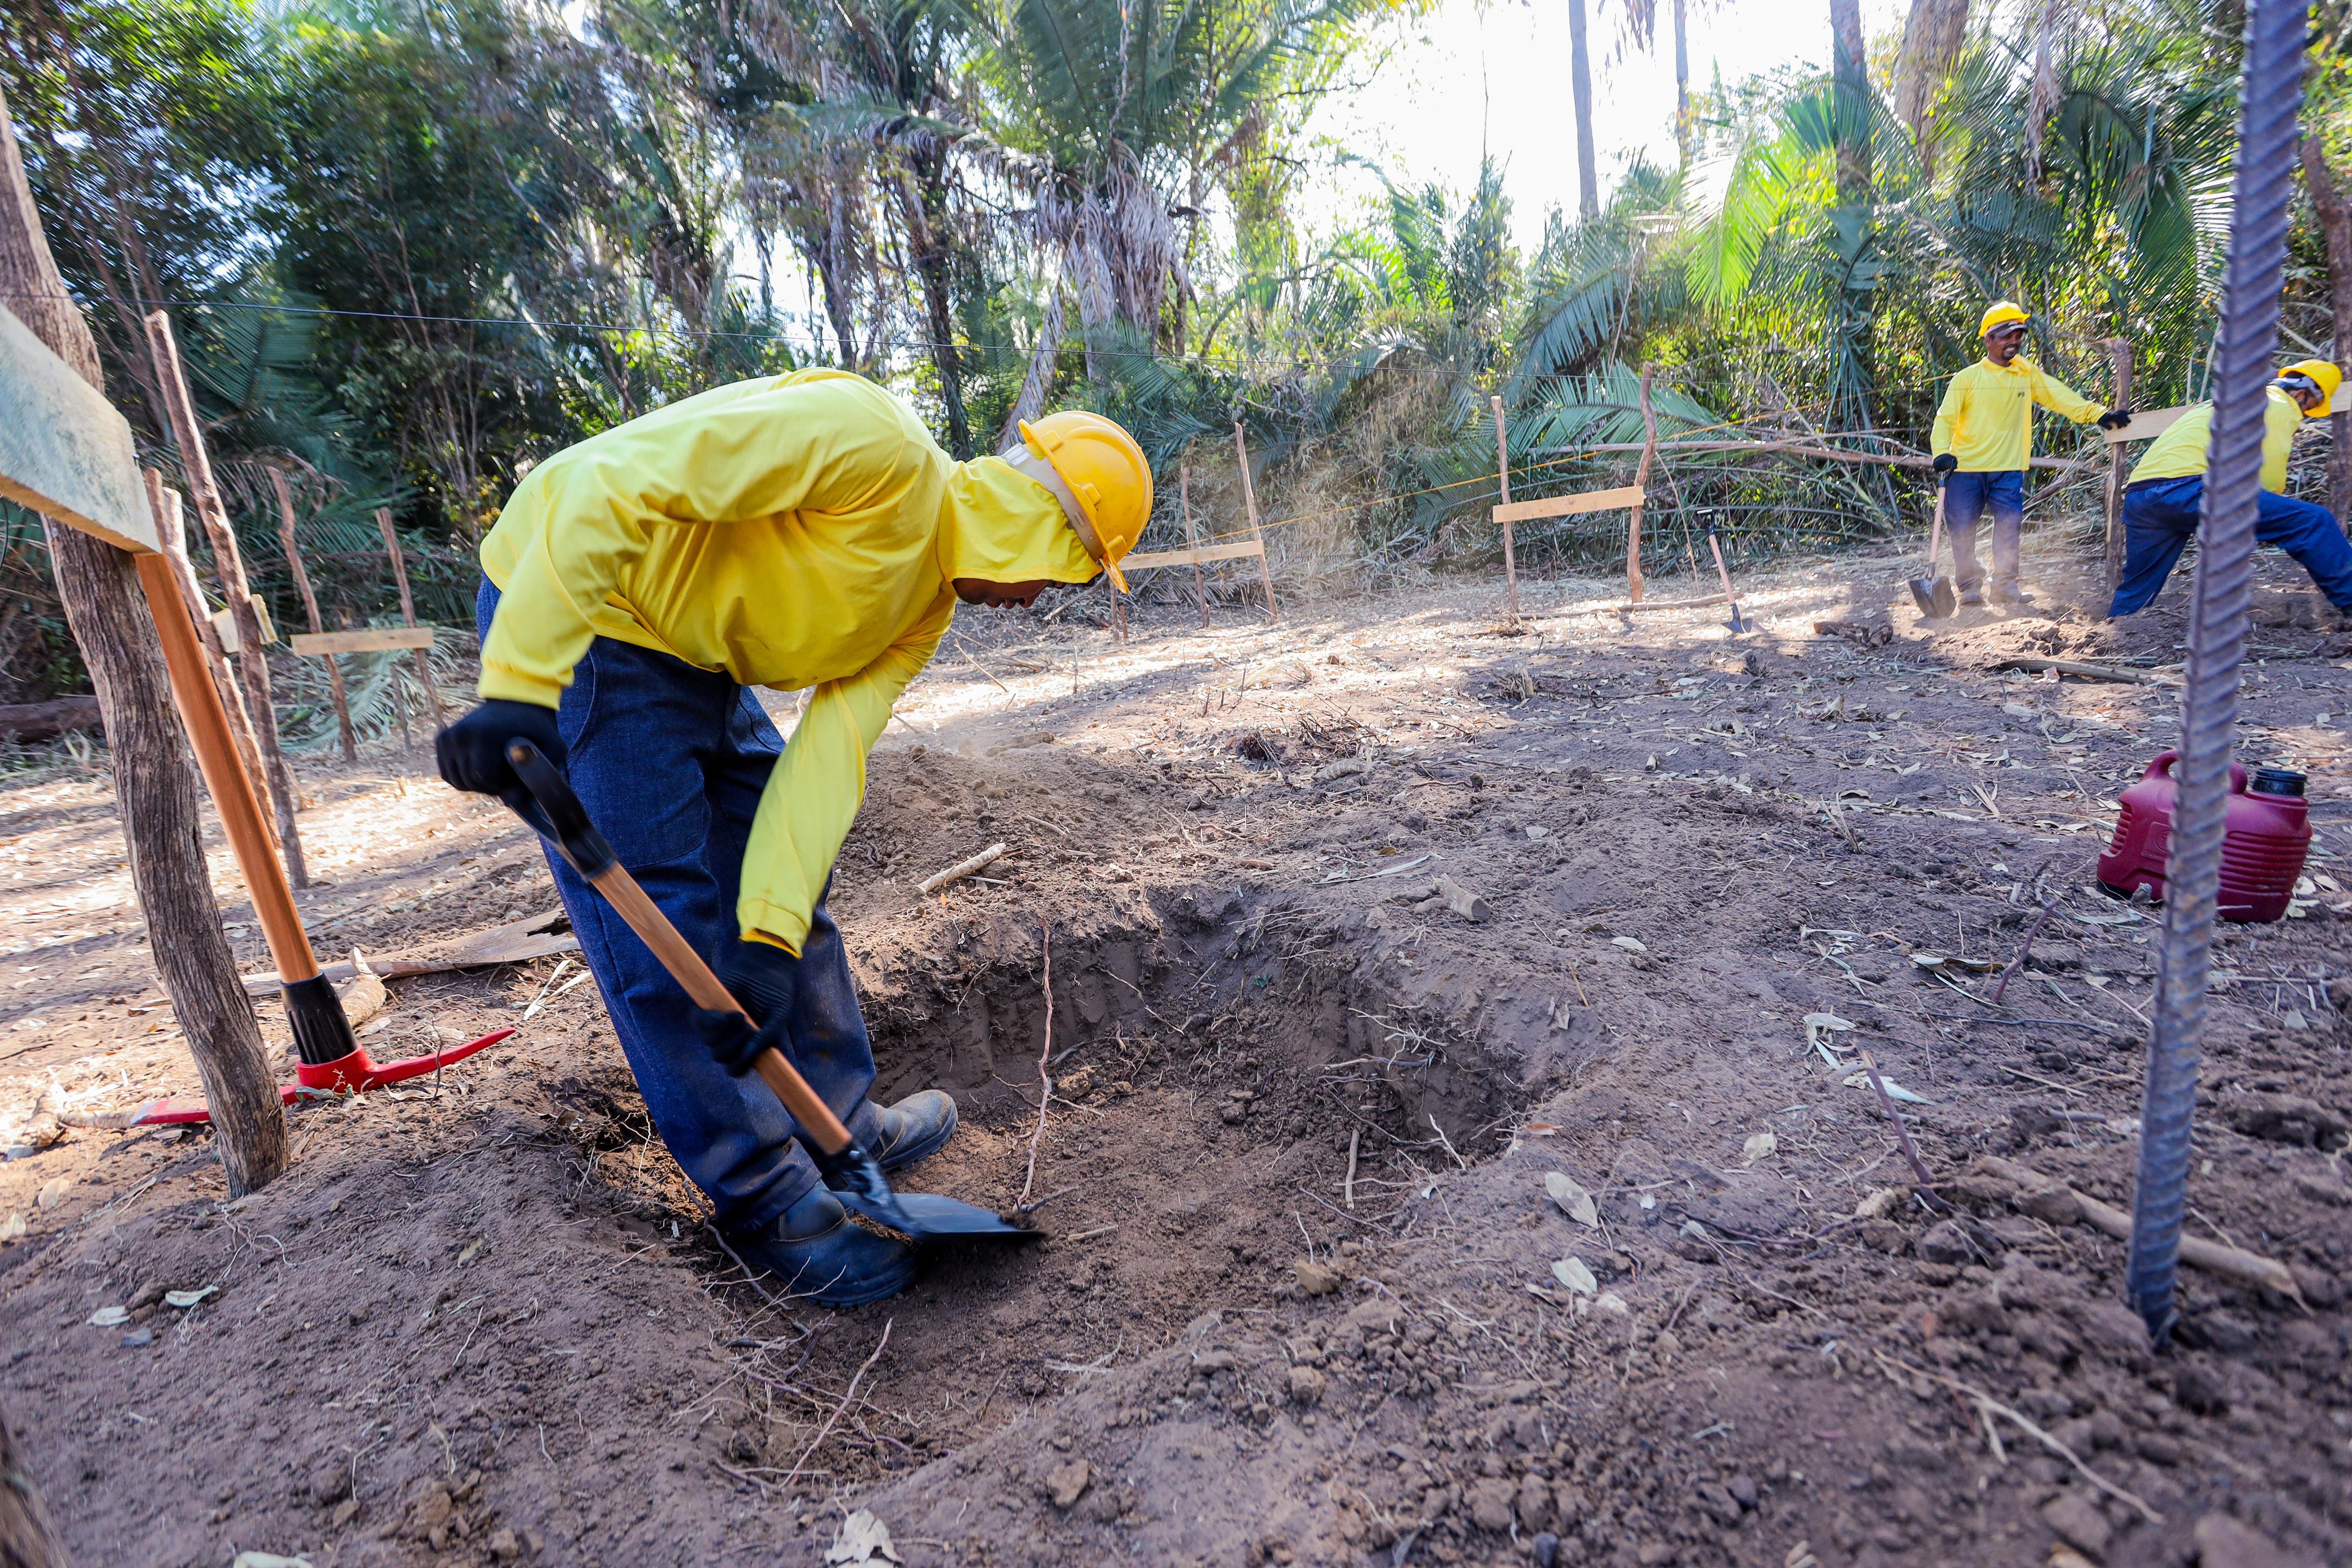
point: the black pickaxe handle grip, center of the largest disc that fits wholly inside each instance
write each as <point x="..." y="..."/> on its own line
<point x="552" y="808"/>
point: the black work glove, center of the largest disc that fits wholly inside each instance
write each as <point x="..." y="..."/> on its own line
<point x="2115" y="419"/>
<point x="767" y="980"/>
<point x="1946" y="462"/>
<point x="472" y="752"/>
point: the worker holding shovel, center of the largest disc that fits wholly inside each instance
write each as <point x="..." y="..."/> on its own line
<point x="2166" y="490"/>
<point x="802" y="531"/>
<point x="1983" y="436"/>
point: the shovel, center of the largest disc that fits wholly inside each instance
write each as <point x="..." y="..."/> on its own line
<point x="1735" y="623"/>
<point x="1934" y="596"/>
<point x="552" y="809"/>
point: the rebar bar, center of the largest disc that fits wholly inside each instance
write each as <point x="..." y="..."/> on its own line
<point x="2270" y="99"/>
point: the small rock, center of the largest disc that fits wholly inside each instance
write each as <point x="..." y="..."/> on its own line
<point x="1305" y="1385"/>
<point x="345" y="1512"/>
<point x="138" y="1339"/>
<point x="2223" y="1542"/>
<point x="505" y="1546"/>
<point x="1718" y="1502"/>
<point x="1461" y="900"/>
<point x="1743" y="1489"/>
<point x="2078" y="1522"/>
<point x="1210" y="1361"/>
<point x="1947" y="1243"/>
<point x="1667" y="1345"/>
<point x="1065" y="1483"/>
<point x="1490" y="1503"/>
<point x="1317" y="1278"/>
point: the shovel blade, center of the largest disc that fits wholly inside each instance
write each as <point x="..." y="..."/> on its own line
<point x="1934" y="596"/>
<point x="858" y="1182"/>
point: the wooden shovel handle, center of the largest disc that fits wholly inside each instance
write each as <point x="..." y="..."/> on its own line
<point x="686" y="966"/>
<point x="1936" y="533"/>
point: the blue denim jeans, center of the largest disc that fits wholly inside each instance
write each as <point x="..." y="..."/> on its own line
<point x="1965" y="497"/>
<point x="670" y="762"/>
<point x="2160" y="519"/>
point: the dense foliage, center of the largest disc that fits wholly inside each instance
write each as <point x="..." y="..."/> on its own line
<point x="412" y="245"/>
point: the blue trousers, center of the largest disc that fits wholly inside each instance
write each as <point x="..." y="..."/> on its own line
<point x="670" y="762"/>
<point x="1966" y="497"/>
<point x="2160" y="519"/>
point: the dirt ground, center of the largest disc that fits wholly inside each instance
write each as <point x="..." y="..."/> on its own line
<point x="1300" y="1302"/>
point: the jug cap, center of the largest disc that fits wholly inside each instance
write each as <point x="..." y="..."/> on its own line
<point x="2277" y="782"/>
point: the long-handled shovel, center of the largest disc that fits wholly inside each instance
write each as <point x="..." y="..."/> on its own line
<point x="1934" y="596"/>
<point x="852" y="1174"/>
<point x="1723" y="572"/>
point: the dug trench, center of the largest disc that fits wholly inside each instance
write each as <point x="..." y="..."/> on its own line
<point x="1307" y="1294"/>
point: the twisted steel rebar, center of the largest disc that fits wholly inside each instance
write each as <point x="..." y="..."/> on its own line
<point x="2270" y="96"/>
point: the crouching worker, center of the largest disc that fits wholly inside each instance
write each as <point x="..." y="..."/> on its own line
<point x="798" y="531"/>
<point x="2166" y="489"/>
<point x="1983" y="441"/>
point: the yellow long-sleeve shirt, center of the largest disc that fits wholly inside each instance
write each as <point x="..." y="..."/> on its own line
<point x="793" y="531"/>
<point x="1986" y="420"/>
<point x="2179" y="451"/>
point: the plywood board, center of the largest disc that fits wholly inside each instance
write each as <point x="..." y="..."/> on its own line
<point x="2147" y="422"/>
<point x="64" y="451"/>
<point x="1570" y="506"/>
<point x="367" y="639"/>
<point x="1240" y="550"/>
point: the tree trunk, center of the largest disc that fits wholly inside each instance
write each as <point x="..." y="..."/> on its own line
<point x="1932" y="37"/>
<point x="931" y="266"/>
<point x="228" y="565"/>
<point x="2336" y="222"/>
<point x="1852" y="61"/>
<point x="1683" y="128"/>
<point x="1588" y="179"/>
<point x="154" y="783"/>
<point x="1040" y="379"/>
<point x="27" y="1540"/>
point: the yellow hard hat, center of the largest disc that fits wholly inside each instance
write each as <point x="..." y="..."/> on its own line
<point x="2322" y="374"/>
<point x="1106" y="476"/>
<point x="1999" y="313"/>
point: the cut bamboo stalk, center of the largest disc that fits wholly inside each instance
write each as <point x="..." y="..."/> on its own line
<point x="172" y="526"/>
<point x="1192" y="541"/>
<point x="310" y="608"/>
<point x="1249" y="499"/>
<point x="228" y="565"/>
<point x="408" y="611"/>
<point x="1503" y="483"/>
<point x="2230" y="1262"/>
<point x="1640" y="483"/>
<point x="961" y="869"/>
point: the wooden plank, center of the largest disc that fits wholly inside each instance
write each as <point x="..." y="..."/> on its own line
<point x="367" y="639"/>
<point x="2145" y="424"/>
<point x="1569" y="506"/>
<point x="64" y="451"/>
<point x="1240" y="550"/>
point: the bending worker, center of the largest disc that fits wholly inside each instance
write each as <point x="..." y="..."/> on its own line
<point x="1984" y="433"/>
<point x="2168" y="488"/>
<point x="794" y="531"/>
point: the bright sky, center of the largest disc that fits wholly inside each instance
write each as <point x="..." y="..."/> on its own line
<point x="1497" y="75"/>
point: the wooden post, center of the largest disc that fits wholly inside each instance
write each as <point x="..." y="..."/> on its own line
<point x="1118" y="610"/>
<point x="228" y="565"/>
<point x="408" y="617"/>
<point x="2119" y="349"/>
<point x="310" y="609"/>
<point x="154" y="787"/>
<point x="1193" y="539"/>
<point x="1642" y="484"/>
<point x="1503" y="478"/>
<point x="1249" y="499"/>
<point x="171" y="530"/>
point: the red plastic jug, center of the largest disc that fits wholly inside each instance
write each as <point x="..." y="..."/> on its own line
<point x="2262" y="852"/>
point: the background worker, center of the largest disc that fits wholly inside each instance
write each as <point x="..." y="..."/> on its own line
<point x="793" y="531"/>
<point x="2166" y="489"/>
<point x="1984" y="434"/>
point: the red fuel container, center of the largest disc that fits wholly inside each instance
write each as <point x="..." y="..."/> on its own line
<point x="2261" y="855"/>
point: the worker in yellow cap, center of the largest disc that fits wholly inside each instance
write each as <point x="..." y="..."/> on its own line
<point x="1983" y="436"/>
<point x="2166" y="491"/>
<point x="794" y="532"/>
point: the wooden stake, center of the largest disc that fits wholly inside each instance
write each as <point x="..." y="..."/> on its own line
<point x="2119" y="349"/>
<point x="408" y="614"/>
<point x="1193" y="539"/>
<point x="311" y="608"/>
<point x="1503" y="478"/>
<point x="157" y="801"/>
<point x="228" y="565"/>
<point x="1249" y="498"/>
<point x="172" y="527"/>
<point x="1640" y="483"/>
